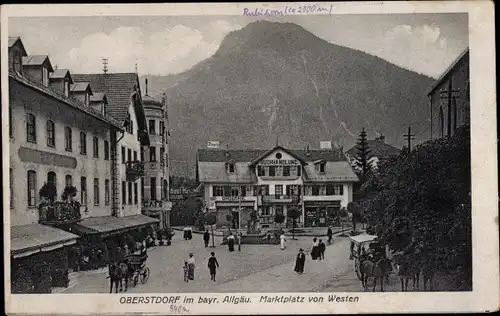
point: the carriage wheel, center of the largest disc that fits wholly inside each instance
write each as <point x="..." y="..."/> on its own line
<point x="136" y="278"/>
<point x="145" y="275"/>
<point x="357" y="268"/>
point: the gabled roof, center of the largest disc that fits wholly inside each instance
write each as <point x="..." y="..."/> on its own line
<point x="81" y="87"/>
<point x="16" y="40"/>
<point x="378" y="148"/>
<point x="464" y="56"/>
<point x="119" y="88"/>
<point x="37" y="60"/>
<point x="99" y="97"/>
<point x="148" y="100"/>
<point x="61" y="74"/>
<point x="267" y="153"/>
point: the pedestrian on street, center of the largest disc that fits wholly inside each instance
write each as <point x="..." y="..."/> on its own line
<point x="322" y="248"/>
<point x="315" y="249"/>
<point x="191" y="266"/>
<point x="330" y="235"/>
<point x="282" y="241"/>
<point x="213" y="265"/>
<point x="300" y="261"/>
<point x="230" y="243"/>
<point x="186" y="272"/>
<point x="206" y="238"/>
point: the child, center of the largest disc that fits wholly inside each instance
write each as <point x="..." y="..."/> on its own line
<point x="212" y="265"/>
<point x="186" y="271"/>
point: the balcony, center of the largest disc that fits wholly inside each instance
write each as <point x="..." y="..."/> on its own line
<point x="60" y="213"/>
<point x="134" y="170"/>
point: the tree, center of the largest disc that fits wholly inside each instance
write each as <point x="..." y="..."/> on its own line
<point x="279" y="218"/>
<point x="363" y="155"/>
<point x="48" y="191"/>
<point x="293" y="213"/>
<point x="355" y="209"/>
<point x="201" y="221"/>
<point x="211" y="219"/>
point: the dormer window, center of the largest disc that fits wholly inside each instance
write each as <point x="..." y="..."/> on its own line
<point x="66" y="88"/>
<point x="322" y="167"/>
<point x="45" y="76"/>
<point x="17" y="62"/>
<point x="86" y="100"/>
<point x="231" y="168"/>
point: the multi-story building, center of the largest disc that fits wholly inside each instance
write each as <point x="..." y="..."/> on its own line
<point x="450" y="98"/>
<point x="236" y="182"/>
<point x="60" y="133"/>
<point x="155" y="184"/>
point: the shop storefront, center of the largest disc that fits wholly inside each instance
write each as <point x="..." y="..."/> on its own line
<point x="235" y="209"/>
<point x="159" y="210"/>
<point x="39" y="259"/>
<point x="321" y="213"/>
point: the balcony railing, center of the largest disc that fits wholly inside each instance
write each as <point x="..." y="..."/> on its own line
<point x="60" y="213"/>
<point x="134" y="170"/>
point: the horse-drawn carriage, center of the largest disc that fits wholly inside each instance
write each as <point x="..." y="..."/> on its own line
<point x="137" y="268"/>
<point x="360" y="247"/>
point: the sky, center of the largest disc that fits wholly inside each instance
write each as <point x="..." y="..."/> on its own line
<point x="161" y="45"/>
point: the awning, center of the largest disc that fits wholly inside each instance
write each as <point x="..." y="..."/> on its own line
<point x="26" y="240"/>
<point x="107" y="225"/>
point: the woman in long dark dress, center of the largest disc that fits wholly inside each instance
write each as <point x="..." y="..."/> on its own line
<point x="300" y="261"/>
<point x="315" y="249"/>
<point x="230" y="243"/>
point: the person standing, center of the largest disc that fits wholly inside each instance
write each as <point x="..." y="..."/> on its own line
<point x="300" y="261"/>
<point x="282" y="241"/>
<point x="321" y="248"/>
<point x="186" y="271"/>
<point x="213" y="265"/>
<point x="206" y="238"/>
<point x="230" y="242"/>
<point x="329" y="233"/>
<point x="191" y="266"/>
<point x="315" y="249"/>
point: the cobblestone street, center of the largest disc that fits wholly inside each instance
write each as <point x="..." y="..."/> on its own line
<point x="255" y="268"/>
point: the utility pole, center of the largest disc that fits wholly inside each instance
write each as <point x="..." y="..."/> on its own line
<point x="409" y="137"/>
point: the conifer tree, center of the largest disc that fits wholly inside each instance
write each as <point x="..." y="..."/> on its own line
<point x="363" y="156"/>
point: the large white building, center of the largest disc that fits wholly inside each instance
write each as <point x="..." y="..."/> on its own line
<point x="236" y="182"/>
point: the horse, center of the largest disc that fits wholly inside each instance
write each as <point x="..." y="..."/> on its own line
<point x="408" y="268"/>
<point x="117" y="273"/>
<point x="377" y="270"/>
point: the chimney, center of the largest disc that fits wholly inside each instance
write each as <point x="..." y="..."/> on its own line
<point x="307" y="151"/>
<point x="382" y="138"/>
<point x="146" y="86"/>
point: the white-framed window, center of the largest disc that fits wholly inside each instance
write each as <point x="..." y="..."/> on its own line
<point x="96" y="191"/>
<point x="95" y="145"/>
<point x="217" y="190"/>
<point x="152" y="129"/>
<point x="106" y="192"/>
<point x="68" y="139"/>
<point x="30" y="128"/>
<point x="231" y="168"/>
<point x="278" y="189"/>
<point x="31" y="188"/>
<point x="249" y="190"/>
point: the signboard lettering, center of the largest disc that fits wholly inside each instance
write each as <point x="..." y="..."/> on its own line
<point x="152" y="204"/>
<point x="231" y="198"/>
<point x="280" y="162"/>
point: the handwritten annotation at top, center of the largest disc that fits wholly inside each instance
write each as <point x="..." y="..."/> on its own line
<point x="288" y="10"/>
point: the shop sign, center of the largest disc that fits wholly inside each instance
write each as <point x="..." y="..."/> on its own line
<point x="231" y="198"/>
<point x="152" y="204"/>
<point x="279" y="162"/>
<point x="322" y="203"/>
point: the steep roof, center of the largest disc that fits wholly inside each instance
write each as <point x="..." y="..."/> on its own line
<point x="249" y="155"/>
<point x="98" y="97"/>
<point x="464" y="56"/>
<point x="81" y="87"/>
<point x="61" y="74"/>
<point x="267" y="153"/>
<point x="378" y="148"/>
<point x="37" y="60"/>
<point x="16" y="40"/>
<point x="119" y="88"/>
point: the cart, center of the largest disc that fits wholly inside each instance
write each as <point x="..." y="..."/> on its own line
<point x="360" y="245"/>
<point x="137" y="268"/>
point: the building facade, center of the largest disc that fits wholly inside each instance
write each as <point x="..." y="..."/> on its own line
<point x="450" y="98"/>
<point x="236" y="182"/>
<point x="155" y="184"/>
<point x="63" y="135"/>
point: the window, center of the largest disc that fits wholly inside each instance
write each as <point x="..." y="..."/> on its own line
<point x="45" y="77"/>
<point x="68" y="139"/>
<point x="152" y="154"/>
<point x="95" y="145"/>
<point x="83" y="190"/>
<point x="162" y="128"/>
<point x="131" y="127"/>
<point x="315" y="190"/>
<point x="106" y="192"/>
<point x="124" y="192"/>
<point x="30" y="128"/>
<point x="83" y="143"/>
<point x="299" y="169"/>
<point x="162" y="195"/>
<point x="322" y="190"/>
<point x="142" y="153"/>
<point x="279" y="171"/>
<point x="130" y="192"/>
<point x="249" y="190"/>
<point x="31" y="188"/>
<point x="162" y="155"/>
<point x="106" y="150"/>
<point x="260" y="171"/>
<point x="152" y="127"/>
<point x="217" y="190"/>
<point x="231" y="167"/>
<point x="272" y="171"/>
<point x="278" y="189"/>
<point x="286" y="171"/>
<point x="17" y="61"/>
<point x="135" y="155"/>
<point x="165" y="189"/>
<point x="330" y="189"/>
<point x="68" y="181"/>
<point x="11" y="130"/>
<point x="86" y="100"/>
<point x="136" y="197"/>
<point x="142" y="188"/>
<point x="235" y="191"/>
<point x="339" y="189"/>
<point x="52" y="179"/>
<point x="322" y="167"/>
<point x="153" y="188"/>
<point x="51" y="135"/>
<point x="265" y="189"/>
<point x="265" y="210"/>
<point x="96" y="191"/>
<point x="123" y="154"/>
<point x="278" y="209"/>
<point x="129" y="154"/>
<point x="11" y="187"/>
